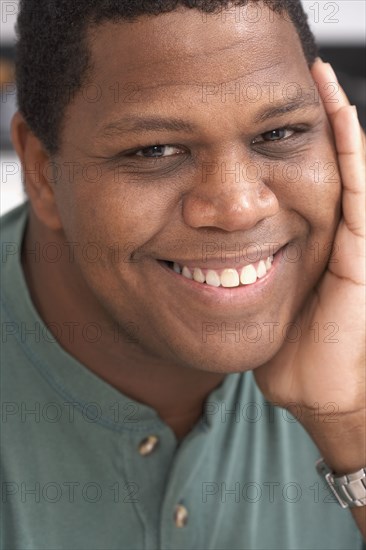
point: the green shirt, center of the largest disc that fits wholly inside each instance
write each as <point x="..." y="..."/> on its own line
<point x="85" y="467"/>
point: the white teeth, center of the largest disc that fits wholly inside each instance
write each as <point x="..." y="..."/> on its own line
<point x="261" y="269"/>
<point x="248" y="275"/>
<point x="229" y="278"/>
<point x="198" y="275"/>
<point x="186" y="273"/>
<point x="212" y="278"/>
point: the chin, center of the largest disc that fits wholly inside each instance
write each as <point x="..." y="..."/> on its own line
<point x="227" y="357"/>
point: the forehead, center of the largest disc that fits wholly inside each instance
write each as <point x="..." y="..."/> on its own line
<point x="183" y="42"/>
<point x="186" y="59"/>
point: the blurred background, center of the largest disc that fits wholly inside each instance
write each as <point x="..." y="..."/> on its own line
<point x="339" y="26"/>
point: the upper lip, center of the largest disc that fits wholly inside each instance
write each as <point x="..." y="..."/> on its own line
<point x="228" y="262"/>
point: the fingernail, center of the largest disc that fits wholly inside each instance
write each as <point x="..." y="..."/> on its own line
<point x="354" y="112"/>
<point x="332" y="73"/>
<point x="355" y="136"/>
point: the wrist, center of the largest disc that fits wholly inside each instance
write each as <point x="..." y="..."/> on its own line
<point x="341" y="443"/>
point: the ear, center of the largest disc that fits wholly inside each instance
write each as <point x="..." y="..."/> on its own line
<point x="37" y="170"/>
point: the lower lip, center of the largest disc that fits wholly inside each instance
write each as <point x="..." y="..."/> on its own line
<point x="235" y="295"/>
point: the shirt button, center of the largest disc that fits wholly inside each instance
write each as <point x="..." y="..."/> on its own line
<point x="180" y="515"/>
<point x="148" y="444"/>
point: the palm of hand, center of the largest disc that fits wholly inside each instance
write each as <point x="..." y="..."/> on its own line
<point x="327" y="373"/>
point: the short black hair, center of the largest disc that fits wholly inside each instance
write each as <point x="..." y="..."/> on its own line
<point x="53" y="61"/>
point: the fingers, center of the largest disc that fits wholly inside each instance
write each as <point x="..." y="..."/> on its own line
<point x="351" y="158"/>
<point x="330" y="91"/>
<point x="349" y="141"/>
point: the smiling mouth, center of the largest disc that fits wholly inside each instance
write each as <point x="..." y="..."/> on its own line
<point x="227" y="277"/>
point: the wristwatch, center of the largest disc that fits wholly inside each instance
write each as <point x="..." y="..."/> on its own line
<point x="349" y="489"/>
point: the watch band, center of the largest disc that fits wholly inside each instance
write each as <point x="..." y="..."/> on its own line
<point x="349" y="489"/>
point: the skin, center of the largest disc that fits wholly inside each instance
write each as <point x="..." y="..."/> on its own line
<point x="165" y="209"/>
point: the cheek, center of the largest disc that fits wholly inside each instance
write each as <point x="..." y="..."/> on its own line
<point x="109" y="212"/>
<point x="312" y="188"/>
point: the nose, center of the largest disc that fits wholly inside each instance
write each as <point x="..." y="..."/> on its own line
<point x="231" y="195"/>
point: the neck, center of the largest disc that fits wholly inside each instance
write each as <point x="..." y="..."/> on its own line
<point x="63" y="299"/>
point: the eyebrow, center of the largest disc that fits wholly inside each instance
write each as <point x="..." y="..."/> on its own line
<point x="135" y="124"/>
<point x="307" y="100"/>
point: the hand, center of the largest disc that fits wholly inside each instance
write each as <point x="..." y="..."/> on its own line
<point x="315" y="378"/>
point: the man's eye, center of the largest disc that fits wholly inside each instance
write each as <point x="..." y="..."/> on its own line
<point x="158" y="151"/>
<point x="274" y="135"/>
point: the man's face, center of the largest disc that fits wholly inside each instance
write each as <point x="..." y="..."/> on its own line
<point x="221" y="189"/>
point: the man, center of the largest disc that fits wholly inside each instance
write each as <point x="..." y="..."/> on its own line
<point x="196" y="187"/>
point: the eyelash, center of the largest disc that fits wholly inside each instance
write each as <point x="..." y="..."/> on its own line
<point x="294" y="129"/>
<point x="285" y="129"/>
